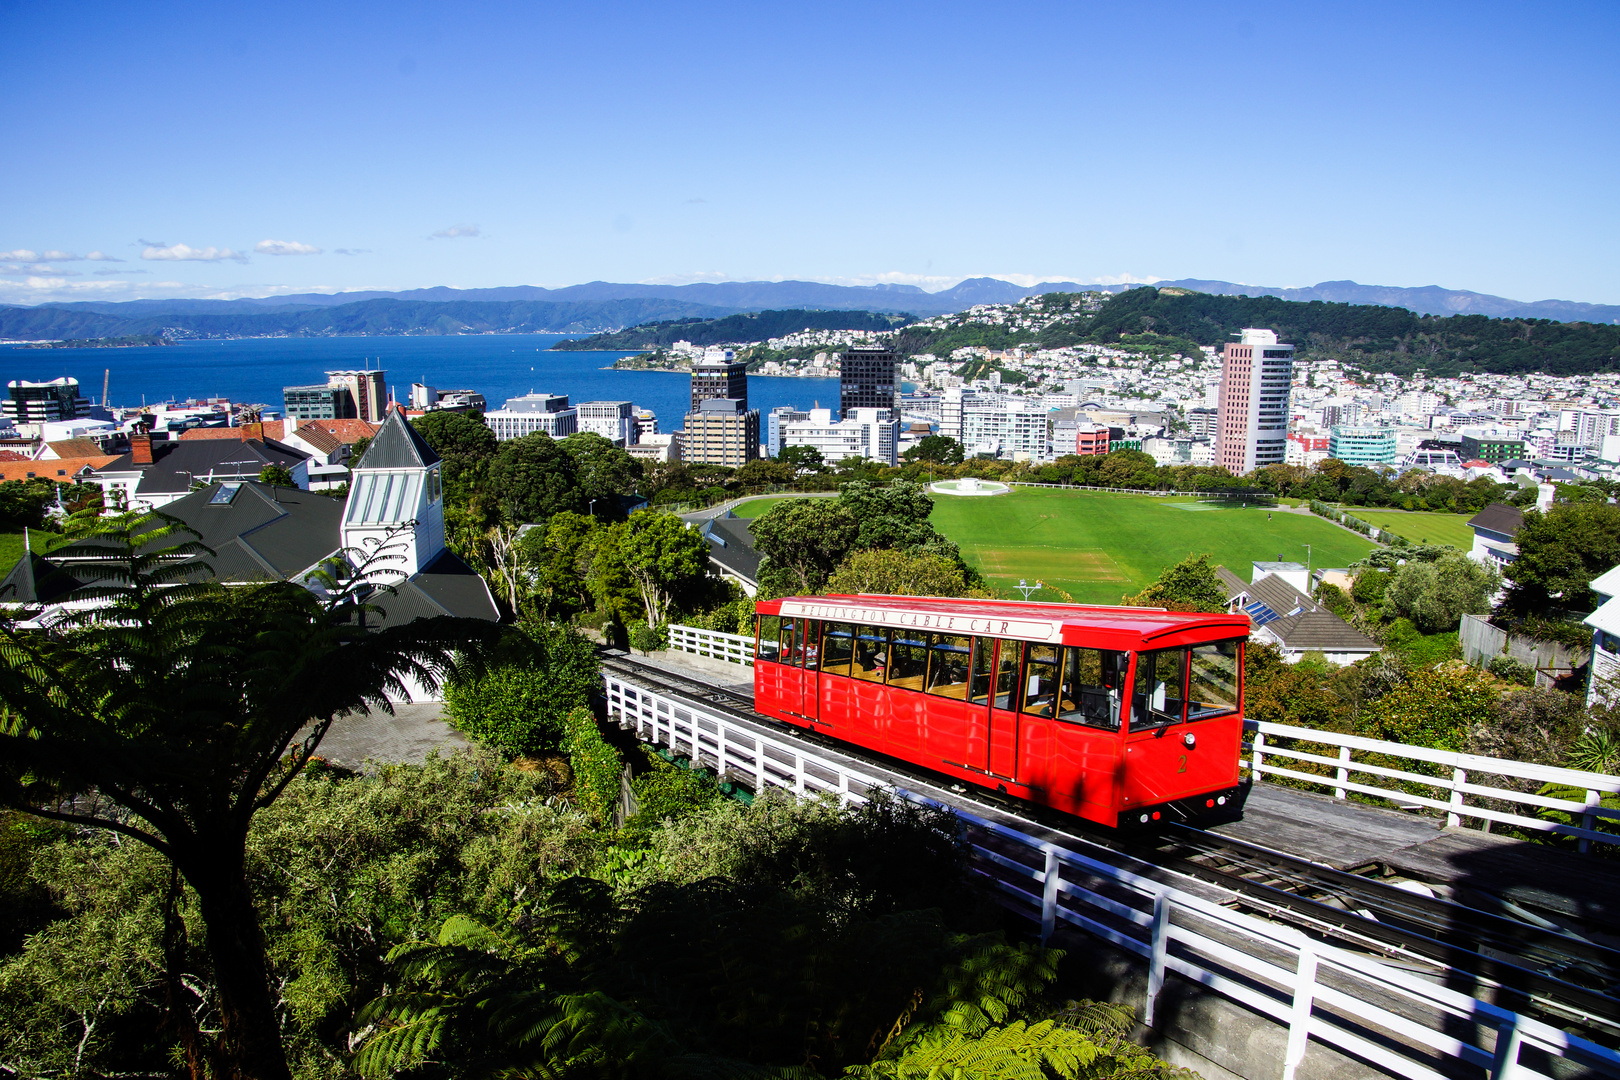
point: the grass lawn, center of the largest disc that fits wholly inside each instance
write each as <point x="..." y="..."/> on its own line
<point x="1100" y="547"/>
<point x="1423" y="527"/>
<point x="11" y="547"/>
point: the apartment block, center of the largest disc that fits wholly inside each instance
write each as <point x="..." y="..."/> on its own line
<point x="1252" y="430"/>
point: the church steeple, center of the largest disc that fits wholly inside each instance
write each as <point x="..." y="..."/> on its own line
<point x="396" y="496"/>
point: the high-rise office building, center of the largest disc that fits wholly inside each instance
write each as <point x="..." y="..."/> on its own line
<point x="869" y="379"/>
<point x="1256" y="372"/>
<point x="369" y="389"/>
<point x="1362" y="445"/>
<point x="43" y="402"/>
<point x="719" y="375"/>
<point x="864" y="433"/>
<point x="774" y="421"/>
<point x="721" y="431"/>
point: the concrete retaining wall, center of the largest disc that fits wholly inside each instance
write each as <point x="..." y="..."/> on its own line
<point x="1482" y="643"/>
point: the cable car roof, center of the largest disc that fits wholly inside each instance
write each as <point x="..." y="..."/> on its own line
<point x="1030" y="621"/>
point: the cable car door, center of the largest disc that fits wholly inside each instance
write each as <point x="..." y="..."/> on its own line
<point x="807" y="657"/>
<point x="1164" y="757"/>
<point x="790" y="694"/>
<point x="1004" y="709"/>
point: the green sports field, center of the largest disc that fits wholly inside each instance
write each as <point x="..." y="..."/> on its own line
<point x="1099" y="547"/>
<point x="1420" y="526"/>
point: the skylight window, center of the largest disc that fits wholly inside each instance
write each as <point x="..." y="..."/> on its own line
<point x="224" y="495"/>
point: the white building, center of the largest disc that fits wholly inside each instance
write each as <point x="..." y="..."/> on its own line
<point x="613" y="420"/>
<point x="525" y="415"/>
<point x="1017" y="429"/>
<point x="868" y="433"/>
<point x="1603" y="686"/>
<point x="655" y="448"/>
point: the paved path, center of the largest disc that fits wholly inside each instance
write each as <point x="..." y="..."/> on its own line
<point x="407" y="737"/>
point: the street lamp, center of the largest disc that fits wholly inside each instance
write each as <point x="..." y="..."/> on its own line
<point x="1027" y="589"/>
<point x="1307" y="548"/>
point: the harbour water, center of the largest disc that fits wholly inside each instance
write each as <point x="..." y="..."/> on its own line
<point x="498" y="366"/>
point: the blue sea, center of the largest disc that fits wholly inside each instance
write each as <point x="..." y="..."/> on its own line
<point x="254" y="370"/>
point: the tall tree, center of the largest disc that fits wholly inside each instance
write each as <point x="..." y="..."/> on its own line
<point x="1560" y="552"/>
<point x="605" y="471"/>
<point x="898" y="573"/>
<point x="534" y="477"/>
<point x="1436" y="595"/>
<point x="663" y="557"/>
<point x="467" y="447"/>
<point x="803" y="540"/>
<point x="171" y="711"/>
<point x="939" y="449"/>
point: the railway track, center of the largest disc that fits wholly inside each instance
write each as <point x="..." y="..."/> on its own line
<point x="1561" y="974"/>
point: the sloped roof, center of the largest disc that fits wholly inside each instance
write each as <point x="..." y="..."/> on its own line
<point x="1607" y="583"/>
<point x="1231" y="582"/>
<point x="349" y="431"/>
<point x="1320" y="631"/>
<point x="269" y="429"/>
<point x="397" y="445"/>
<point x="62" y="470"/>
<point x="175" y="465"/>
<point x="1498" y="518"/>
<point x="318" y="437"/>
<point x="73" y="448"/>
<point x="732" y="546"/>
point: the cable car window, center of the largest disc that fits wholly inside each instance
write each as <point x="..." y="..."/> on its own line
<point x="908" y="660"/>
<point x="1007" y="675"/>
<point x="1158" y="697"/>
<point x="810" y="633"/>
<point x="1214" y="680"/>
<point x="790" y="651"/>
<point x="979" y="686"/>
<point x="766" y="647"/>
<point x="838" y="646"/>
<point x="871" y="653"/>
<point x="1041" y="666"/>
<point x="1093" y="687"/>
<point x="948" y="658"/>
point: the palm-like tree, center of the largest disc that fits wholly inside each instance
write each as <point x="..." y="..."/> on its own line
<point x="171" y="709"/>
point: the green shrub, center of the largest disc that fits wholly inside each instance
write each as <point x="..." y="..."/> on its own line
<point x="649" y="639"/>
<point x="669" y="792"/>
<point x="1505" y="667"/>
<point x="1417" y="649"/>
<point x="596" y="765"/>
<point x="519" y="706"/>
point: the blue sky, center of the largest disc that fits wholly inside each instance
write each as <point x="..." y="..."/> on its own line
<point x="405" y="145"/>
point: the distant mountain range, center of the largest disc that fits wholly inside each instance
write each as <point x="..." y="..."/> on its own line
<point x="606" y="306"/>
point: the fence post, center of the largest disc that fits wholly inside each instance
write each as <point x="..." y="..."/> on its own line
<point x="1049" y="896"/>
<point x="1505" y="1060"/>
<point x="1259" y="753"/>
<point x="1589" y="819"/>
<point x="1299" y="1020"/>
<point x="1454" y="816"/>
<point x="1343" y="772"/>
<point x="1156" y="956"/>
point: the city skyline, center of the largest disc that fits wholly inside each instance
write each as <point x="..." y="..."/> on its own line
<point x="195" y="151"/>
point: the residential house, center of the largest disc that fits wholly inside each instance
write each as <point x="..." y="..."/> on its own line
<point x="1494" y="529"/>
<point x="1603" y="685"/>
<point x="154" y="474"/>
<point x="1284" y="616"/>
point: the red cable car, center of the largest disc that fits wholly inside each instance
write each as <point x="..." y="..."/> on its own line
<point x="1118" y="715"/>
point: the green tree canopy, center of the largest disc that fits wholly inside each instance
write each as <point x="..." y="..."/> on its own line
<point x="1189" y="585"/>
<point x="895" y="516"/>
<point x="802" y="457"/>
<point x="1436" y="595"/>
<point x="939" y="449"/>
<point x="803" y="541"/>
<point x="466" y="445"/>
<point x="519" y="705"/>
<point x="662" y="556"/>
<point x="277" y="476"/>
<point x="534" y="477"/>
<point x="898" y="573"/>
<point x="1560" y="552"/>
<point x="605" y="471"/>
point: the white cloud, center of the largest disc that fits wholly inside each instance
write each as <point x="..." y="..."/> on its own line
<point x="351" y="251"/>
<point x="185" y="253"/>
<point x="60" y="256"/>
<point x="20" y="255"/>
<point x="456" y="230"/>
<point x="285" y="247"/>
<point x="97" y="256"/>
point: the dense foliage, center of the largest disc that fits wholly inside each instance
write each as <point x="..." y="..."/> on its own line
<point x="750" y="326"/>
<point x="519" y="704"/>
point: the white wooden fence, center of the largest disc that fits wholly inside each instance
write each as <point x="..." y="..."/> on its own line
<point x="721" y="646"/>
<point x="1462" y="777"/>
<point x="1395" y="1019"/>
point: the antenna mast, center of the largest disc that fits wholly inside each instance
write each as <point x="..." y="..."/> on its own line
<point x="106" y="377"/>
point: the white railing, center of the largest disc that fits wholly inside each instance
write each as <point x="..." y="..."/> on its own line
<point x="734" y="648"/>
<point x="1459" y="780"/>
<point x="1398" y="1021"/>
